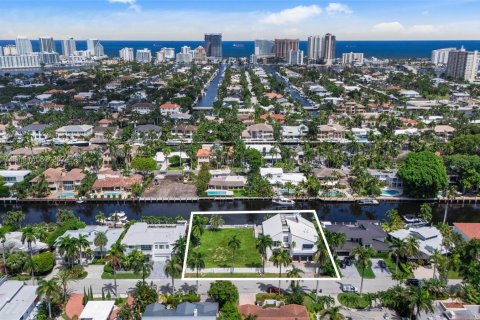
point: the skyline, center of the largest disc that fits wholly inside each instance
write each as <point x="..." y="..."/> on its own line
<point x="247" y="20"/>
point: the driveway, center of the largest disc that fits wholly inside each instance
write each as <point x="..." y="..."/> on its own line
<point x="158" y="270"/>
<point x="380" y="273"/>
<point x="350" y="274"/>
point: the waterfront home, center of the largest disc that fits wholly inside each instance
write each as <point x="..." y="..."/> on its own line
<point x="203" y="156"/>
<point x="331" y="132"/>
<point x="389" y="177"/>
<point x="269" y="152"/>
<point x="59" y="179"/>
<point x="445" y="131"/>
<point x="331" y="176"/>
<point x="101" y="135"/>
<point x="429" y="239"/>
<point x="468" y="230"/>
<point x="162" y="162"/>
<point x="184" y="311"/>
<point x="19" y="155"/>
<point x="147" y="131"/>
<point x="291" y="311"/>
<point x="294" y="132"/>
<point x="74" y="131"/>
<point x="293" y="233"/>
<point x="143" y="107"/>
<point x="37" y="130"/>
<point x="272" y="95"/>
<point x="350" y="107"/>
<point x="167" y="109"/>
<point x="117" y="106"/>
<point x="18" y="300"/>
<point x="268" y="117"/>
<point x="410" y="94"/>
<point x="367" y="233"/>
<point x="276" y="176"/>
<point x="10" y="177"/>
<point x="113" y="183"/>
<point x="259" y="131"/>
<point x="185" y="131"/>
<point x="90" y="232"/>
<point x="13" y="243"/>
<point x="47" y="107"/>
<point x="227" y="182"/>
<point x="154" y="240"/>
<point x="98" y="310"/>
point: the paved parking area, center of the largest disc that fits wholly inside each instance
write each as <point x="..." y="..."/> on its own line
<point x="158" y="270"/>
<point x="380" y="273"/>
<point x="350" y="274"/>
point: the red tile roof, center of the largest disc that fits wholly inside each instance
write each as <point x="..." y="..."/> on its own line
<point x="74" y="306"/>
<point x="470" y="230"/>
<point x="169" y="105"/>
<point x="204" y="153"/>
<point x="288" y="312"/>
<point x="273" y="95"/>
<point x="117" y="182"/>
<point x="278" y="117"/>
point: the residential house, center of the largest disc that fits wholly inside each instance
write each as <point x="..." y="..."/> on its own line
<point x="168" y="109"/>
<point x="97" y="310"/>
<point x="292" y="232"/>
<point x="331" y="132"/>
<point x="117" y="106"/>
<point x="148" y="131"/>
<point x="367" y="233"/>
<point x="184" y="311"/>
<point x="203" y="156"/>
<point x="259" y="131"/>
<point x="389" y="177"/>
<point x="445" y="131"/>
<point x="290" y="311"/>
<point x="13" y="243"/>
<point x="109" y="181"/>
<point x="19" y="155"/>
<point x="47" y="107"/>
<point x="154" y="240"/>
<point x="350" y="107"/>
<point x="429" y="238"/>
<point x="100" y="134"/>
<point x="458" y="311"/>
<point x="185" y="131"/>
<point x="276" y="176"/>
<point x="90" y="232"/>
<point x="468" y="230"/>
<point x="74" y="131"/>
<point x="294" y="133"/>
<point x="227" y="182"/>
<point x="10" y="177"/>
<point x="143" y="107"/>
<point x="332" y="177"/>
<point x="17" y="300"/>
<point x="3" y="133"/>
<point x="37" y="131"/>
<point x="59" y="179"/>
<point x="267" y="117"/>
<point x="269" y="152"/>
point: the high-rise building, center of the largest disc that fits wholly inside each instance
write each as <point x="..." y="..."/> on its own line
<point x="283" y="46"/>
<point x="213" y="45"/>
<point x="462" y="65"/>
<point x="69" y="47"/>
<point x="10" y="50"/>
<point x="48" y="58"/>
<point x="20" y="61"/>
<point x="168" y="53"/>
<point x="160" y="57"/>
<point x="200" y="55"/>
<point x="99" y="51"/>
<point x="328" y="48"/>
<point x="295" y="57"/>
<point x="440" y="56"/>
<point x="47" y="44"/>
<point x="352" y="58"/>
<point x="1" y="51"/>
<point x="24" y="45"/>
<point x="91" y="44"/>
<point x="264" y="48"/>
<point x="126" y="54"/>
<point x="315" y="45"/>
<point x="144" y="55"/>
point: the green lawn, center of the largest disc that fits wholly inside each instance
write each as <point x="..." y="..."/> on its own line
<point x="239" y="193"/>
<point x="123" y="275"/>
<point x="214" y="247"/>
<point x="231" y="275"/>
<point x="368" y="271"/>
<point x="452" y="274"/>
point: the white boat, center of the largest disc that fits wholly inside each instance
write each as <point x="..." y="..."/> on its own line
<point x="283" y="201"/>
<point x="368" y="201"/>
<point x="413" y="220"/>
<point x="117" y="219"/>
<point x="80" y="200"/>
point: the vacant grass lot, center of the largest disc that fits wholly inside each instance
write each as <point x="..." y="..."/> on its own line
<point x="214" y="247"/>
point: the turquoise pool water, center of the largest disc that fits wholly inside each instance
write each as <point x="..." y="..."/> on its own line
<point x="332" y="194"/>
<point x="390" y="192"/>
<point x="66" y="195"/>
<point x="217" y="193"/>
<point x="112" y="193"/>
<point x="286" y="191"/>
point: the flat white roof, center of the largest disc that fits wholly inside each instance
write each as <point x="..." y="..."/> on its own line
<point x="97" y="310"/>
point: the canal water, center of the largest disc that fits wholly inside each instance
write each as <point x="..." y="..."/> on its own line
<point x="294" y="93"/>
<point x="334" y="212"/>
<point x="210" y="95"/>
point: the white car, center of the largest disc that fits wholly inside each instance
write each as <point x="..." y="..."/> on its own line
<point x="349" y="288"/>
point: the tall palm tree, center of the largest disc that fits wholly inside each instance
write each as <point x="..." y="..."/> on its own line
<point x="179" y="248"/>
<point x="68" y="249"/>
<point x="49" y="290"/>
<point x="363" y="256"/>
<point x="216" y="221"/>
<point x="332" y="313"/>
<point x="114" y="258"/>
<point x="263" y="243"/>
<point x="83" y="244"/>
<point x="412" y="247"/>
<point x="101" y="241"/>
<point x="3" y="239"/>
<point x="436" y="259"/>
<point x="29" y="236"/>
<point x="294" y="272"/>
<point x="63" y="277"/>
<point x="398" y="249"/>
<point x="280" y="258"/>
<point x="234" y="244"/>
<point x="335" y="240"/>
<point x="420" y="300"/>
<point x="173" y="269"/>
<point x="100" y="217"/>
<point x="144" y="265"/>
<point x="195" y="261"/>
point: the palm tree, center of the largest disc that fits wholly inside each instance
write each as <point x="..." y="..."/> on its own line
<point x="83" y="244"/>
<point x="332" y="313"/>
<point x="63" y="277"/>
<point x="29" y="236"/>
<point x="179" y="247"/>
<point x="143" y="265"/>
<point x="196" y="262"/>
<point x="216" y="221"/>
<point x="101" y="241"/>
<point x="234" y="244"/>
<point x="100" y="217"/>
<point x="49" y="290"/>
<point x="173" y="269"/>
<point x="412" y="247"/>
<point x="335" y="240"/>
<point x="263" y="243"/>
<point x="114" y="258"/>
<point x="3" y="239"/>
<point x="280" y="258"/>
<point x="68" y="249"/>
<point x="294" y="273"/>
<point x="420" y="300"/>
<point x="436" y="258"/>
<point x="398" y="249"/>
<point x="363" y="256"/>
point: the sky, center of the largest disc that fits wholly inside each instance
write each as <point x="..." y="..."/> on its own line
<point x="241" y="19"/>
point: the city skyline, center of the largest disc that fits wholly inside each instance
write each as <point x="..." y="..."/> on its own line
<point x="149" y="20"/>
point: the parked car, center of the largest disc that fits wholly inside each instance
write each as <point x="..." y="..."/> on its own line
<point x="343" y="264"/>
<point x="349" y="288"/>
<point x="273" y="289"/>
<point x="382" y="264"/>
<point x="349" y="260"/>
<point x="414" y="282"/>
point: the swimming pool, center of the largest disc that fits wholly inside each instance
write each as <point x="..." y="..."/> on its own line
<point x="112" y="194"/>
<point x="390" y="192"/>
<point x="217" y="193"/>
<point x="65" y="195"/>
<point x="286" y="191"/>
<point x="333" y="194"/>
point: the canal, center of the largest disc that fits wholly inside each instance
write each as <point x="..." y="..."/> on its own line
<point x="334" y="212"/>
<point x="211" y="94"/>
<point x="293" y="92"/>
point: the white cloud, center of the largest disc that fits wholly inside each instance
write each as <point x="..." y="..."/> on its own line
<point x="292" y="15"/>
<point x="336" y="7"/>
<point x="422" y="28"/>
<point x="388" y="27"/>
<point x="132" y="4"/>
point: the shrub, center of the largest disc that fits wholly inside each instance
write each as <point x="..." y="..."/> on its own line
<point x="353" y="300"/>
<point x="108" y="268"/>
<point x="43" y="262"/>
<point x="78" y="272"/>
<point x="223" y="291"/>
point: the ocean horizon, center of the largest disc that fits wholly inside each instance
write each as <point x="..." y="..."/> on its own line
<point x="394" y="49"/>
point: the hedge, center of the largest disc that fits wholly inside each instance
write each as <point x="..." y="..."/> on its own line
<point x="43" y="262"/>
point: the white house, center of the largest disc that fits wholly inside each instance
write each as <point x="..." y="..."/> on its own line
<point x="429" y="239"/>
<point x="10" y="177"/>
<point x="154" y="240"/>
<point x="97" y="310"/>
<point x="74" y="131"/>
<point x="294" y="132"/>
<point x="293" y="233"/>
<point x="169" y="109"/>
<point x="117" y="106"/>
<point x="37" y="131"/>
<point x="17" y="300"/>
